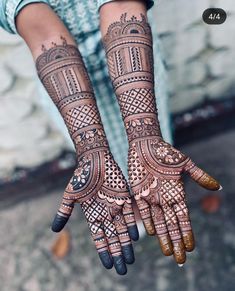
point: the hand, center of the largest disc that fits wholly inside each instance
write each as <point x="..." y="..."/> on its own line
<point x="101" y="189"/>
<point x="155" y="169"/>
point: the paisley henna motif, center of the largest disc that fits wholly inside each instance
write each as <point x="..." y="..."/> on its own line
<point x="155" y="167"/>
<point x="97" y="183"/>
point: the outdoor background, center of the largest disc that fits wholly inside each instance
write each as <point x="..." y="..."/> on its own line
<point x="36" y="163"/>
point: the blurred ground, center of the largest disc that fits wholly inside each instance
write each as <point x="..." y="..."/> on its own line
<point x="28" y="265"/>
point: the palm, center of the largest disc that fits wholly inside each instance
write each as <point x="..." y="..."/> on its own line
<point x="155" y="169"/>
<point x="101" y="189"/>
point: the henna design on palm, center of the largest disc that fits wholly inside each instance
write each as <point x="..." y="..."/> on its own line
<point x="155" y="172"/>
<point x="97" y="183"/>
<point x="100" y="187"/>
<point x="155" y="167"/>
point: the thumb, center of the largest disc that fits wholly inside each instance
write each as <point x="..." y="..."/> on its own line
<point x="201" y="177"/>
<point x="62" y="215"/>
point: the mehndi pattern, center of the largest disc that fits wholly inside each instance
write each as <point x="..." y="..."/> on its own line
<point x="155" y="167"/>
<point x="97" y="183"/>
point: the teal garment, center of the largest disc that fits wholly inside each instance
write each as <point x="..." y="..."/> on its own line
<point x="81" y="17"/>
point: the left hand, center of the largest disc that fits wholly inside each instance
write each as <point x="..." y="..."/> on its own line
<point x="100" y="187"/>
<point x="155" y="170"/>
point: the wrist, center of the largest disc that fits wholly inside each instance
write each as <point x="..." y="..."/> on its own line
<point x="142" y="126"/>
<point x="91" y="139"/>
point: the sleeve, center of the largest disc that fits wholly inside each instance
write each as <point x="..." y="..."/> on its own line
<point x="149" y="3"/>
<point x="9" y="9"/>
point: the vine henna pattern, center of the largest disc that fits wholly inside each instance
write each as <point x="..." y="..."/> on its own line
<point x="97" y="183"/>
<point x="155" y="167"/>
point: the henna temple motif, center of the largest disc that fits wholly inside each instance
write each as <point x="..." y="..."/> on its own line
<point x="97" y="183"/>
<point x="155" y="167"/>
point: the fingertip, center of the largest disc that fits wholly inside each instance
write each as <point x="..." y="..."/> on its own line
<point x="133" y="232"/>
<point x="120" y="265"/>
<point x="189" y="241"/>
<point x="166" y="245"/>
<point x="128" y="254"/>
<point x="179" y="252"/>
<point x="106" y="259"/>
<point x="209" y="183"/>
<point x="59" y="223"/>
<point x="150" y="229"/>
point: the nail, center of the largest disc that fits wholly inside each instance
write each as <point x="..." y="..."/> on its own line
<point x="180" y="265"/>
<point x="220" y="188"/>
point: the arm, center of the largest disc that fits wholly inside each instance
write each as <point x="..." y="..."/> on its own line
<point x="155" y="167"/>
<point x="97" y="183"/>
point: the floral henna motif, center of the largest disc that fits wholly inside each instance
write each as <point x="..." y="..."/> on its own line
<point x="155" y="170"/>
<point x="155" y="167"/>
<point x="97" y="183"/>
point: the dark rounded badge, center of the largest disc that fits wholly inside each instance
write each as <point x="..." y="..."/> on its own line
<point x="214" y="16"/>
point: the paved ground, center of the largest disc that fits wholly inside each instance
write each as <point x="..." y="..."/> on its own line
<point x="27" y="263"/>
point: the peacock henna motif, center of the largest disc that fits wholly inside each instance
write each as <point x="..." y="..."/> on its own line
<point x="155" y="167"/>
<point x="97" y="183"/>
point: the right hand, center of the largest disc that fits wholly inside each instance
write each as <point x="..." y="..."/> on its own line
<point x="155" y="172"/>
<point x="100" y="187"/>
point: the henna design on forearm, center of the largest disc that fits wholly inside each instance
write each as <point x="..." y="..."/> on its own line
<point x="155" y="167"/>
<point x="63" y="73"/>
<point x="97" y="184"/>
<point x="128" y="46"/>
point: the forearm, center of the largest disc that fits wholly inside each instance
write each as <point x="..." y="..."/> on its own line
<point x="127" y="39"/>
<point x="62" y="71"/>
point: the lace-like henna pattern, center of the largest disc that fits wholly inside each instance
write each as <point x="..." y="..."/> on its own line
<point x="128" y="45"/>
<point x="97" y="183"/>
<point x="155" y="167"/>
<point x="155" y="170"/>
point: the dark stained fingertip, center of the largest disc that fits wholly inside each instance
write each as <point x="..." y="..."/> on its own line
<point x="179" y="252"/>
<point x="106" y="259"/>
<point x="133" y="232"/>
<point x="209" y="183"/>
<point x="59" y="223"/>
<point x="189" y="241"/>
<point x="166" y="245"/>
<point x="128" y="254"/>
<point x="120" y="265"/>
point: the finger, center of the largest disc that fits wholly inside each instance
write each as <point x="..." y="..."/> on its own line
<point x="129" y="217"/>
<point x="182" y="214"/>
<point x="201" y="177"/>
<point x="146" y="216"/>
<point x="174" y="232"/>
<point x="115" y="247"/>
<point x="101" y="245"/>
<point x="63" y="214"/>
<point x="161" y="230"/>
<point x="124" y="238"/>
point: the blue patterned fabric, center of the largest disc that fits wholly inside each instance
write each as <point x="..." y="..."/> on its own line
<point x="82" y="19"/>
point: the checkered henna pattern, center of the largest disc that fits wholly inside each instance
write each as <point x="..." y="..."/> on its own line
<point x="97" y="183"/>
<point x="155" y="167"/>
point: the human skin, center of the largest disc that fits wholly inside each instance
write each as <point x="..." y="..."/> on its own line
<point x="155" y="167"/>
<point x="97" y="183"/>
